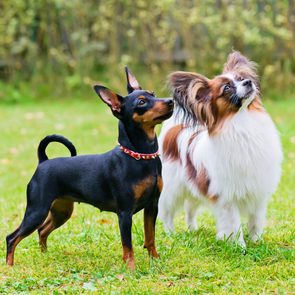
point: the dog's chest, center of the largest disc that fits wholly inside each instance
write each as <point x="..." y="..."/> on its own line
<point x="146" y="190"/>
<point x="147" y="187"/>
<point x="245" y="158"/>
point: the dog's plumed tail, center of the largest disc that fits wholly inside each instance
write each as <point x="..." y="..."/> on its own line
<point x="54" y="138"/>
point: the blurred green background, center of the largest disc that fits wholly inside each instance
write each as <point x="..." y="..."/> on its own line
<point x="51" y="52"/>
<point x="61" y="47"/>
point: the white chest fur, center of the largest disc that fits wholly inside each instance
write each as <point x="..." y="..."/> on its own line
<point x="244" y="159"/>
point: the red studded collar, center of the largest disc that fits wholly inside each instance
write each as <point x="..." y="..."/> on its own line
<point x="139" y="156"/>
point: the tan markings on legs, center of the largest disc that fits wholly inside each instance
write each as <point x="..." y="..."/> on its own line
<point x="128" y="257"/>
<point x="10" y="254"/>
<point x="44" y="231"/>
<point x="149" y="234"/>
<point x="60" y="211"/>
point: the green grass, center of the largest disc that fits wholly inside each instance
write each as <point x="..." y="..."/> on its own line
<point x="85" y="254"/>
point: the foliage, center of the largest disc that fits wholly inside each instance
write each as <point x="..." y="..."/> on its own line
<point x="74" y="41"/>
<point x="84" y="255"/>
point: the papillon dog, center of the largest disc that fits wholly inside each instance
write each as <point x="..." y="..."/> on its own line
<point x="221" y="148"/>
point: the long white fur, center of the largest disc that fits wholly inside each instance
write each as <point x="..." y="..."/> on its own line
<point x="243" y="162"/>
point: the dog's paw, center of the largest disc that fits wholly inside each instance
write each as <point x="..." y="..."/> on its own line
<point x="238" y="238"/>
<point x="256" y="238"/>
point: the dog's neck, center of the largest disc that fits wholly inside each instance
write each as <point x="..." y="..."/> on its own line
<point x="135" y="139"/>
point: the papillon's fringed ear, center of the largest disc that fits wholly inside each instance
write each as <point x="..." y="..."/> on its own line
<point x="113" y="100"/>
<point x="186" y="84"/>
<point x="189" y="90"/>
<point x="132" y="83"/>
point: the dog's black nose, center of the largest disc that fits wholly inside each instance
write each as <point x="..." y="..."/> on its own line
<point x="247" y="83"/>
<point x="170" y="103"/>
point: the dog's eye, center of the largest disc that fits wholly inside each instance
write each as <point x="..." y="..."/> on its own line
<point x="226" y="88"/>
<point x="141" y="102"/>
<point x="240" y="79"/>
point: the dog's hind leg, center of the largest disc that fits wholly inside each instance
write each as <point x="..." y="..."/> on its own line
<point x="256" y="221"/>
<point x="35" y="214"/>
<point x="60" y="211"/>
<point x="32" y="220"/>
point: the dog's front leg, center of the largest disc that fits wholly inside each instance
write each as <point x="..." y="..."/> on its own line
<point x="228" y="223"/>
<point x="257" y="220"/>
<point x="150" y="216"/>
<point x="125" y="224"/>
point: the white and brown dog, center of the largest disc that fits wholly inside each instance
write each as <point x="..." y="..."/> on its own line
<point x="221" y="148"/>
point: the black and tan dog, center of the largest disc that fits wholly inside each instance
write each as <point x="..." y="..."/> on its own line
<point x="123" y="180"/>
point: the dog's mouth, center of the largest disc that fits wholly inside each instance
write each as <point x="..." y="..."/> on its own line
<point x="247" y="94"/>
<point x="165" y="116"/>
<point x="238" y="101"/>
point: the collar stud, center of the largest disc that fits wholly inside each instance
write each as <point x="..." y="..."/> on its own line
<point x="139" y="156"/>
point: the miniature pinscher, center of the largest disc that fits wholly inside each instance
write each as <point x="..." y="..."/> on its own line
<point x="123" y="180"/>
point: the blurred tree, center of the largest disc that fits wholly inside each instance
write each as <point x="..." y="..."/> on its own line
<point x="60" y="37"/>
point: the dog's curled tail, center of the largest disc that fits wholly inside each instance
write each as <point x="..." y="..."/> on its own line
<point x="54" y="138"/>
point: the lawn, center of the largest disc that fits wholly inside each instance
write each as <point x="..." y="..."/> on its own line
<point x="85" y="254"/>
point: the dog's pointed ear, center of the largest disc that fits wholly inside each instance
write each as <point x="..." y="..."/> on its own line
<point x="132" y="83"/>
<point x="113" y="100"/>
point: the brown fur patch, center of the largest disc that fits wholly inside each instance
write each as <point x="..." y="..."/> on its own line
<point x="146" y="125"/>
<point x="148" y="120"/>
<point x="142" y="186"/>
<point x="221" y="107"/>
<point x="203" y="181"/>
<point x="170" y="147"/>
<point x="159" y="109"/>
<point x="128" y="256"/>
<point x="127" y="253"/>
<point x="210" y="107"/>
<point x="149" y="234"/>
<point x="160" y="183"/>
<point x="60" y="211"/>
<point x="212" y="198"/>
<point x="256" y="105"/>
<point x="62" y="207"/>
<point x="199" y="177"/>
<point x="10" y="255"/>
<point x="190" y="169"/>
